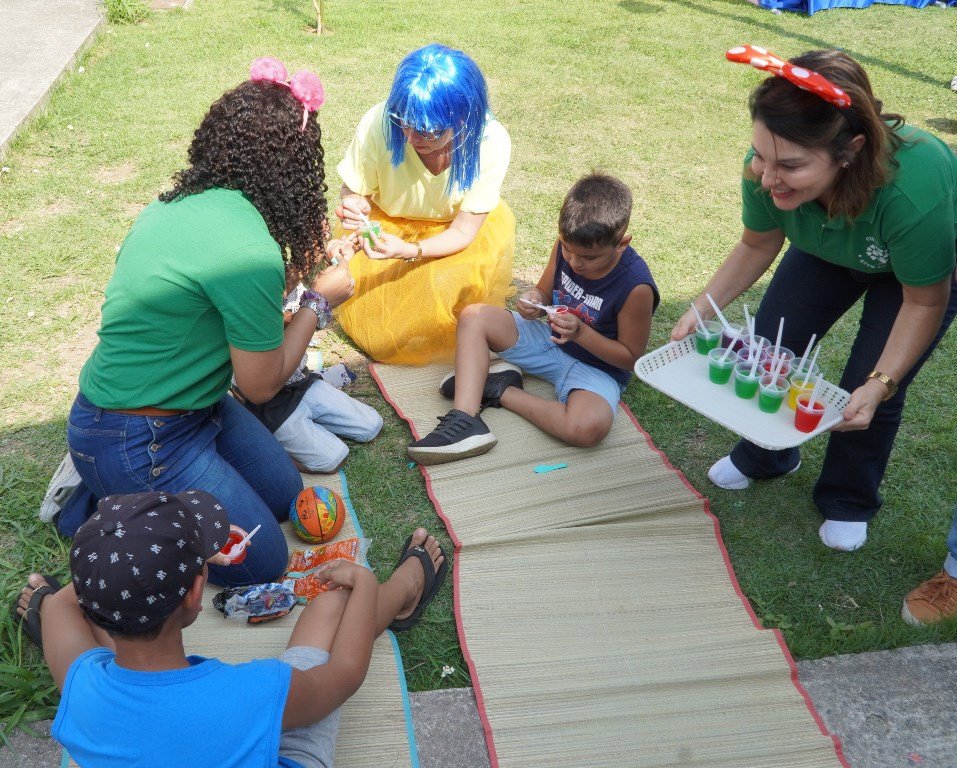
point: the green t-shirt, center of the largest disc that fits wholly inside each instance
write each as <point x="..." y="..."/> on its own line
<point x="193" y="276"/>
<point x="908" y="228"/>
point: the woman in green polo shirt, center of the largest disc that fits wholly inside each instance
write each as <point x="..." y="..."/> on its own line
<point x="196" y="299"/>
<point x="869" y="208"/>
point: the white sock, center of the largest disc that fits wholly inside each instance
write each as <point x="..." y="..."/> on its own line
<point x="842" y="535"/>
<point x="725" y="475"/>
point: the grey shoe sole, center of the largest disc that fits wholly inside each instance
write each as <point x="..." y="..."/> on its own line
<point x="472" y="446"/>
<point x="497" y="366"/>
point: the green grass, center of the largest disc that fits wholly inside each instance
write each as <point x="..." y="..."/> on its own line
<point x="639" y="88"/>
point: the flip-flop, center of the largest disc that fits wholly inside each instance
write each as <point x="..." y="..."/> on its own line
<point x="31" y="617"/>
<point x="433" y="583"/>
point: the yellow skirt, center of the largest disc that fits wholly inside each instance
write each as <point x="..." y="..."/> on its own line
<point x="405" y="313"/>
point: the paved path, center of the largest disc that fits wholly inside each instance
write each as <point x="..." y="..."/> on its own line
<point x="893" y="709"/>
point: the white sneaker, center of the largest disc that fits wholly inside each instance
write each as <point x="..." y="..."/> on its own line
<point x="842" y="535"/>
<point x="725" y="475"/>
<point x="64" y="482"/>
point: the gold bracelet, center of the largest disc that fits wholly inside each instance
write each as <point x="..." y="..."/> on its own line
<point x="418" y="255"/>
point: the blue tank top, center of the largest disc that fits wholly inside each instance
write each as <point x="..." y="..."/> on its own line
<point x="598" y="302"/>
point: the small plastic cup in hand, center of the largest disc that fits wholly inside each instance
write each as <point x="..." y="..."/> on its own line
<point x="804" y="366"/>
<point x="806" y="417"/>
<point x="367" y="231"/>
<point x="231" y="548"/>
<point x="801" y="384"/>
<point x="746" y="383"/>
<point x="559" y="309"/>
<point x="772" y="391"/>
<point x="707" y="336"/>
<point x="721" y="366"/>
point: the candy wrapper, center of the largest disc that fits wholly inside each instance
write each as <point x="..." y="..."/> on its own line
<point x="255" y="604"/>
<point x="301" y="576"/>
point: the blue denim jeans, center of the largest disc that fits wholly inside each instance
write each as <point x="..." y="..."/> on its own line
<point x="811" y="295"/>
<point x="223" y="450"/>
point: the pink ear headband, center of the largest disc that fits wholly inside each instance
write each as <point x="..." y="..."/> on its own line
<point x="305" y="86"/>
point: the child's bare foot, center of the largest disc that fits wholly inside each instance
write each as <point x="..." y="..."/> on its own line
<point x="412" y="575"/>
<point x="34" y="582"/>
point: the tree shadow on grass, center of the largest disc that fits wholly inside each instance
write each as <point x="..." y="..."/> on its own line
<point x="636" y="6"/>
<point x="866" y="60"/>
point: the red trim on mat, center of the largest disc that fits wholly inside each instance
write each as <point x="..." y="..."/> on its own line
<point x="476" y="686"/>
<point x="473" y="672"/>
<point x="737" y="588"/>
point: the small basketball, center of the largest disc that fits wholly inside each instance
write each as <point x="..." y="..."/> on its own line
<point x="317" y="514"/>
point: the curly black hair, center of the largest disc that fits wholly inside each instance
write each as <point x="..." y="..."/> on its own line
<point x="250" y="141"/>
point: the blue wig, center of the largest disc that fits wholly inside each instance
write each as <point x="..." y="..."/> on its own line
<point x="437" y="88"/>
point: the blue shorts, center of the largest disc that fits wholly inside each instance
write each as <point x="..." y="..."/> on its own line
<point x="537" y="354"/>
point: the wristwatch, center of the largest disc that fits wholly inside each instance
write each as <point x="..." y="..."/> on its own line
<point x="887" y="381"/>
<point x="318" y="304"/>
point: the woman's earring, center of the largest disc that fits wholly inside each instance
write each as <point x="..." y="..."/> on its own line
<point x="845" y="164"/>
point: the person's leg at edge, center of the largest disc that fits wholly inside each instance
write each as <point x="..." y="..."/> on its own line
<point x="481" y="328"/>
<point x="855" y="462"/>
<point x="935" y="600"/>
<point x="313" y="746"/>
<point x="812" y="295"/>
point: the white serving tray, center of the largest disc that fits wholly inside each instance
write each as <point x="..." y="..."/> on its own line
<point x="681" y="373"/>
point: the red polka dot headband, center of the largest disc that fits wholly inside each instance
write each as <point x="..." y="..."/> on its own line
<point x="763" y="59"/>
<point x="305" y="86"/>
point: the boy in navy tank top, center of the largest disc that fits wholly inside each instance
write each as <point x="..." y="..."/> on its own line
<point x="597" y="295"/>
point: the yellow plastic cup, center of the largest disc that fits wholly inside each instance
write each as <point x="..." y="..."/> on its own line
<point x="802" y="384"/>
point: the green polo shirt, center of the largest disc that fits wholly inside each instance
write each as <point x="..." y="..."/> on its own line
<point x="193" y="276"/>
<point x="908" y="228"/>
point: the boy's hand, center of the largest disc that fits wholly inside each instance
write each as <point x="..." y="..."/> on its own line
<point x="566" y="325"/>
<point x="342" y="573"/>
<point x="684" y="327"/>
<point x="335" y="283"/>
<point x="534" y="296"/>
<point x="351" y="210"/>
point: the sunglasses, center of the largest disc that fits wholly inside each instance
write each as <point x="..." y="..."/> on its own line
<point x="425" y="135"/>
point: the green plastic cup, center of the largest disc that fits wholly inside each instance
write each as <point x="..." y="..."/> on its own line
<point x="707" y="336"/>
<point x="374" y="227"/>
<point x="719" y="371"/>
<point x="746" y="384"/>
<point x="772" y="391"/>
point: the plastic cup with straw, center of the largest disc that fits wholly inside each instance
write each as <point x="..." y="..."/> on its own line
<point x="235" y="547"/>
<point x="721" y="361"/>
<point x="809" y="412"/>
<point x="798" y="365"/>
<point x="370" y="228"/>
<point x="707" y="334"/>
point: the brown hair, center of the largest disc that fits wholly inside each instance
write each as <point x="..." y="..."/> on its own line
<point x="809" y="121"/>
<point x="596" y="211"/>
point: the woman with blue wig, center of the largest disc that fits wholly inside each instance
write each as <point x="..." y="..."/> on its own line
<point x="428" y="166"/>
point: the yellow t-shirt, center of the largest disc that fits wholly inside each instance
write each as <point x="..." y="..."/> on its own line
<point x="409" y="190"/>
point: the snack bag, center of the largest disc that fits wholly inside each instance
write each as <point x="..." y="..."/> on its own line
<point x="301" y="576"/>
<point x="255" y="604"/>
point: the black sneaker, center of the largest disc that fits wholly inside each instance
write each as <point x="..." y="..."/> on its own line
<point x="501" y="375"/>
<point x="458" y="436"/>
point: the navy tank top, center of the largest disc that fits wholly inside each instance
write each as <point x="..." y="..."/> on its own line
<point x="598" y="302"/>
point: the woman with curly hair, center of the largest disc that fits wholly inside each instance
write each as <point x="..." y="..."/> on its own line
<point x="868" y="205"/>
<point x="428" y="165"/>
<point x="196" y="299"/>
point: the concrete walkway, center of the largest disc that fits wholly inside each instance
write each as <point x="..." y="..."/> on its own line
<point x="892" y="709"/>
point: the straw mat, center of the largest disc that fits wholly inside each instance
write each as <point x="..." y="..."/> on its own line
<point x="597" y="609"/>
<point x="375" y="729"/>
